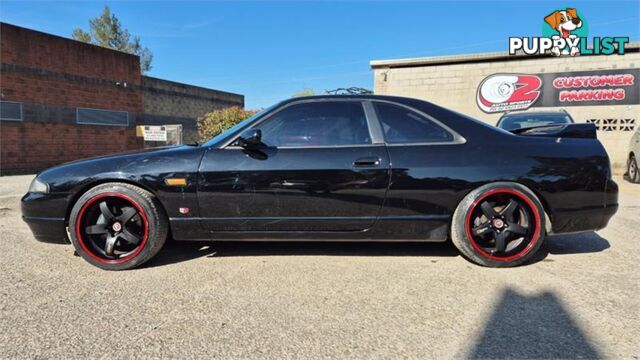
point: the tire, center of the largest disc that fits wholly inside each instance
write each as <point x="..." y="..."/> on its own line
<point x="506" y="233"/>
<point x="632" y="170"/>
<point x="118" y="226"/>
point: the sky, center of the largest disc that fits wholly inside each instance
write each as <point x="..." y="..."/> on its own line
<point x="269" y="50"/>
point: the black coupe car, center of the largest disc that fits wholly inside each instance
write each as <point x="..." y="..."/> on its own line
<point x="335" y="168"/>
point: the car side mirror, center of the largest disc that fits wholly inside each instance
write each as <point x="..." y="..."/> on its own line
<point x="250" y="138"/>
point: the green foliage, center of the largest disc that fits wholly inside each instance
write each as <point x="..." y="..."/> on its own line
<point x="304" y="92"/>
<point x="217" y="121"/>
<point x="107" y="31"/>
<point x="81" y="35"/>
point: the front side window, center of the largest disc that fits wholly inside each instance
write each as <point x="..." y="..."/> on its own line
<point x="401" y="125"/>
<point x="321" y="123"/>
<point x="226" y="133"/>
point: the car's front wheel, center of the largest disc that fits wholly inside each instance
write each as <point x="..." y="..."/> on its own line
<point x="117" y="226"/>
<point x="499" y="225"/>
<point x="632" y="170"/>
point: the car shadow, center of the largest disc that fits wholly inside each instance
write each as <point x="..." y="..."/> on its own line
<point x="535" y="326"/>
<point x="582" y="243"/>
<point x="589" y="242"/>
<point x="179" y="251"/>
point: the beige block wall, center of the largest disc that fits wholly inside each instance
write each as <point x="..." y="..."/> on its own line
<point x="454" y="86"/>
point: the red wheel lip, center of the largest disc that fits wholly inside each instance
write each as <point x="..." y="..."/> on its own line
<point x="530" y="203"/>
<point x="91" y="253"/>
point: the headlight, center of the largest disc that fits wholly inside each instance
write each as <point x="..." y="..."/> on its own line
<point x="38" y="186"/>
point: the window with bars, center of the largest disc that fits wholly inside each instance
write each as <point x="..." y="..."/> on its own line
<point x="614" y="124"/>
<point x="102" y="117"/>
<point x="11" y="110"/>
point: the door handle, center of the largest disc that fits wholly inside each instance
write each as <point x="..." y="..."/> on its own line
<point x="367" y="161"/>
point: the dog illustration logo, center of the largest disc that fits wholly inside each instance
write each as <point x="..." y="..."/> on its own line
<point x="565" y="31"/>
<point x="565" y="27"/>
<point x="564" y="21"/>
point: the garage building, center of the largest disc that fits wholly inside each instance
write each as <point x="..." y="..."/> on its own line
<point x="453" y="82"/>
<point x="63" y="100"/>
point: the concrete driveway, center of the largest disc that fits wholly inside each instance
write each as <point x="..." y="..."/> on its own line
<point x="580" y="299"/>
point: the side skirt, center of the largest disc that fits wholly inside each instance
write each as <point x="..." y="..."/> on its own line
<point x="391" y="229"/>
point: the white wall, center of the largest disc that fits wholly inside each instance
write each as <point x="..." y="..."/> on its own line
<point x="454" y="86"/>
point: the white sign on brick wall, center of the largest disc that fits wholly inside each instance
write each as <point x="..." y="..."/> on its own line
<point x="155" y="133"/>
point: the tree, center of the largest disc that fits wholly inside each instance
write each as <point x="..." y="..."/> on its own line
<point x="217" y="121"/>
<point x="304" y="92"/>
<point x="107" y="31"/>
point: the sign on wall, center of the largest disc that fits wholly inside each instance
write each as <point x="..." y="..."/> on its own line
<point x="565" y="31"/>
<point x="508" y="92"/>
<point x="154" y="133"/>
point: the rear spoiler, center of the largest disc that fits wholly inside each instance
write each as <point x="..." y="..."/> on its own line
<point x="585" y="131"/>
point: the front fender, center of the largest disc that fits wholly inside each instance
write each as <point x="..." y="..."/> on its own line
<point x="147" y="169"/>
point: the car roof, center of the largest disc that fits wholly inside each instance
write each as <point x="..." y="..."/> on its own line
<point x="354" y="97"/>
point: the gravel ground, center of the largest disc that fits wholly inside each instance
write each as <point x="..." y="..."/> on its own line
<point x="319" y="300"/>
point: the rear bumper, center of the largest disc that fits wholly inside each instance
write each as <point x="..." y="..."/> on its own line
<point x="44" y="214"/>
<point x="591" y="218"/>
<point x="588" y="219"/>
<point x="607" y="214"/>
<point x="582" y="220"/>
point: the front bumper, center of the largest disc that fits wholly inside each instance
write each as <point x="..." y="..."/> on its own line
<point x="49" y="230"/>
<point x="45" y="216"/>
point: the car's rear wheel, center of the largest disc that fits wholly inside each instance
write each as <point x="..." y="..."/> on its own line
<point x="632" y="170"/>
<point x="117" y="226"/>
<point x="499" y="225"/>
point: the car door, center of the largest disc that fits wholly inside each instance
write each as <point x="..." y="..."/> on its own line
<point x="427" y="159"/>
<point x="318" y="169"/>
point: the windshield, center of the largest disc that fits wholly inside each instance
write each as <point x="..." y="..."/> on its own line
<point x="526" y="121"/>
<point x="237" y="127"/>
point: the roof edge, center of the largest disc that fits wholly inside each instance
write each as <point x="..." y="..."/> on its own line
<point x="469" y="58"/>
<point x="192" y="86"/>
<point x="60" y="37"/>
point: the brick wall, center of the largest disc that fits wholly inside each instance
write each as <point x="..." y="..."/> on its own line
<point x="35" y="49"/>
<point x="168" y="102"/>
<point x="454" y="85"/>
<point x="31" y="146"/>
<point x="52" y="76"/>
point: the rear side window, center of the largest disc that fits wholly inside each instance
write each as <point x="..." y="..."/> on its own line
<point x="401" y="125"/>
<point x="321" y="123"/>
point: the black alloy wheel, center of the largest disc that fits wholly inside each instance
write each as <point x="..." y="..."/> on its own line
<point x="118" y="226"/>
<point x="502" y="225"/>
<point x="499" y="225"/>
<point x="112" y="228"/>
